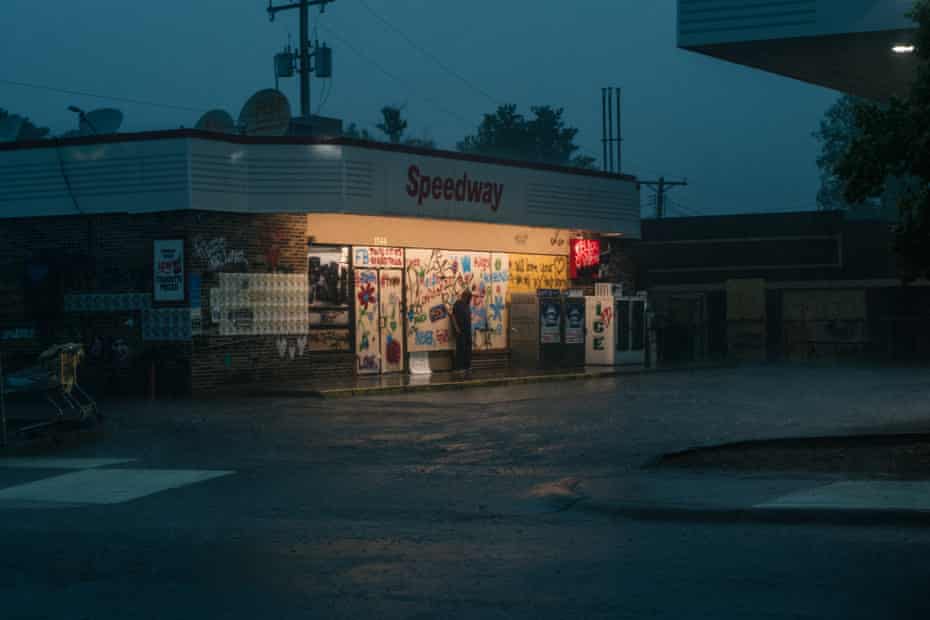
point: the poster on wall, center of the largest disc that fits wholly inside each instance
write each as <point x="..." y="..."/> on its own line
<point x="328" y="270"/>
<point x="378" y="257"/>
<point x="169" y="270"/>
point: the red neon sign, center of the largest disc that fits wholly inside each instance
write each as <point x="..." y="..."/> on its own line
<point x="583" y="253"/>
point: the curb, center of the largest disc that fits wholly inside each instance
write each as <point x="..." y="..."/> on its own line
<point x="473" y="383"/>
<point x="749" y="514"/>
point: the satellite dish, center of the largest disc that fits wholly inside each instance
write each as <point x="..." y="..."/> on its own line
<point x="217" y="121"/>
<point x="10" y="126"/>
<point x="102" y="121"/>
<point x="266" y="113"/>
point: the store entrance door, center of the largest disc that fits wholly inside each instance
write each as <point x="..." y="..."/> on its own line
<point x="379" y="330"/>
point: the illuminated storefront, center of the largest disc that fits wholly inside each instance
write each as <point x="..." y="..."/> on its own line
<point x="309" y="256"/>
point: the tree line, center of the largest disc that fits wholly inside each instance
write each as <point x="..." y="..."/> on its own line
<point x="542" y="137"/>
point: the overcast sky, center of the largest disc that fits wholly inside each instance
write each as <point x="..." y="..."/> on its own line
<point x="741" y="137"/>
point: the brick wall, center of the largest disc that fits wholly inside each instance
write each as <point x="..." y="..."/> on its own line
<point x="113" y="253"/>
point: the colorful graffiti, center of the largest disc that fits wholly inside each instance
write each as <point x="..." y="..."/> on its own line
<point x="496" y="286"/>
<point x="367" y="336"/>
<point x="391" y="287"/>
<point x="435" y="278"/>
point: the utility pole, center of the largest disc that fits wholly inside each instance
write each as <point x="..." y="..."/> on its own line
<point x="303" y="47"/>
<point x="661" y="187"/>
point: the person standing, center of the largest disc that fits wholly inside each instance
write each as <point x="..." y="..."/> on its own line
<point x="461" y="324"/>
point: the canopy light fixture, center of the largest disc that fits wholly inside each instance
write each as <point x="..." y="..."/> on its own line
<point x="903" y="48"/>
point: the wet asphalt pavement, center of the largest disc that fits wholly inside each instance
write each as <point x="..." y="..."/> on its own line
<point x="448" y="505"/>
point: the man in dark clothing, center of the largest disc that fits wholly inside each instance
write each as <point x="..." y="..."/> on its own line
<point x="461" y="325"/>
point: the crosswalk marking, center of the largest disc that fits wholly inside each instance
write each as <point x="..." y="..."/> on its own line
<point x="857" y="495"/>
<point x="60" y="463"/>
<point x="105" y="486"/>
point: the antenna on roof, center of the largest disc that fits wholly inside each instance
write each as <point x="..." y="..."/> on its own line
<point x="266" y="113"/>
<point x="217" y="121"/>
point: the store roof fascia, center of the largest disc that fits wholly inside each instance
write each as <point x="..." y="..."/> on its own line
<point x="195" y="134"/>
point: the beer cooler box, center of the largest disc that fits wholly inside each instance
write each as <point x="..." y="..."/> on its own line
<point x="616" y="330"/>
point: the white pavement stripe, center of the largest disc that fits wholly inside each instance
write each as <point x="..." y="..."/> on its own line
<point x="106" y="486"/>
<point x="59" y="463"/>
<point x="858" y="495"/>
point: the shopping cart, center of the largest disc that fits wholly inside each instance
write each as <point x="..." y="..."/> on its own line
<point x="55" y="376"/>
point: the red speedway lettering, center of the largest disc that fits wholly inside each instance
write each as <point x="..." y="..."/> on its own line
<point x="464" y="189"/>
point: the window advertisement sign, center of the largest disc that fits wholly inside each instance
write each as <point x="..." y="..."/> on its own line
<point x="379" y="257"/>
<point x="574" y="321"/>
<point x="169" y="270"/>
<point x="328" y="270"/>
<point x="583" y="254"/>
<point x="550" y="320"/>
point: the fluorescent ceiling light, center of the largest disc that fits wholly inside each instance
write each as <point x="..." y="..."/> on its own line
<point x="903" y="48"/>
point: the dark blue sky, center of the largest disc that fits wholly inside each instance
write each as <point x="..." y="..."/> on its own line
<point x="741" y="137"/>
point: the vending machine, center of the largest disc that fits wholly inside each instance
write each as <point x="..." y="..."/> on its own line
<point x="550" y="327"/>
<point x="573" y="333"/>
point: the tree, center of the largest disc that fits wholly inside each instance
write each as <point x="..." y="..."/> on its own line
<point x="836" y="133"/>
<point x="354" y="132"/>
<point x="508" y="134"/>
<point x="393" y="124"/>
<point x="28" y="130"/>
<point x="891" y="142"/>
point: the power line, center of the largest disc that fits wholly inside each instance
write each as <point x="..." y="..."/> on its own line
<point x="391" y="75"/>
<point x="430" y="55"/>
<point x="683" y="208"/>
<point x="80" y="93"/>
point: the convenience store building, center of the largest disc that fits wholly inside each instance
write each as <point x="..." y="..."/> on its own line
<point x="226" y="260"/>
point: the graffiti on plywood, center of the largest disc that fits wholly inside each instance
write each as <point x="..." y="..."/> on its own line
<point x="496" y="287"/>
<point x="216" y="255"/>
<point x="392" y="320"/>
<point x="435" y="279"/>
<point x="367" y="333"/>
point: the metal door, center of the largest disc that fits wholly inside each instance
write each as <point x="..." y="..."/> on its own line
<point x="392" y="323"/>
<point x="631" y="334"/>
<point x="367" y="329"/>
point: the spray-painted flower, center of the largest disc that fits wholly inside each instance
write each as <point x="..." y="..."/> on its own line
<point x="366" y="296"/>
